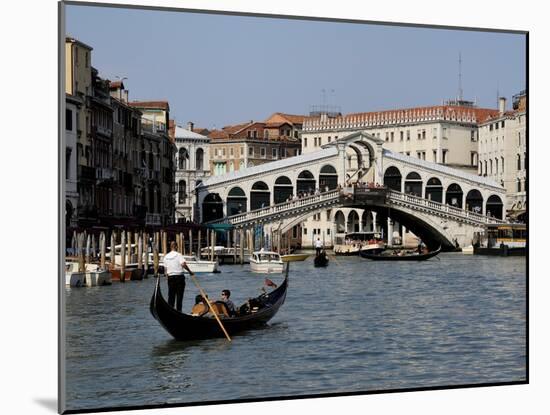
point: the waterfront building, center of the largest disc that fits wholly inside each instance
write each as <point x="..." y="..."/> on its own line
<point x="253" y="143"/>
<point x="503" y="152"/>
<point x="161" y="149"/>
<point x="72" y="108"/>
<point x="445" y="134"/>
<point x="78" y="84"/>
<point x="192" y="167"/>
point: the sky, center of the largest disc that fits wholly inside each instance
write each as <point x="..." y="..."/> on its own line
<point x="217" y="70"/>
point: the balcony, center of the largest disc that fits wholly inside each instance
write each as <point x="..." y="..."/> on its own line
<point x="104" y="175"/>
<point x="102" y="131"/>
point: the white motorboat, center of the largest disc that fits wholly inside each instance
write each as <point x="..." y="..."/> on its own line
<point x="199" y="266"/>
<point x="266" y="262"/>
<point x="74" y="278"/>
<point x="468" y="250"/>
<point x="96" y="276"/>
<point x="354" y="242"/>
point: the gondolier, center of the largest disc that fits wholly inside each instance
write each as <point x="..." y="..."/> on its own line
<point x="174" y="264"/>
<point x="318" y="246"/>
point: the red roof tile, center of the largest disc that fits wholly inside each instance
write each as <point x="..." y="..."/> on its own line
<point x="151" y="104"/>
<point x="282" y="117"/>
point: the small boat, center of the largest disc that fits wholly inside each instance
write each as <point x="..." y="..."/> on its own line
<point x="266" y="262"/>
<point x="294" y="257"/>
<point x="96" y="276"/>
<point x="131" y="273"/>
<point x="74" y="278"/>
<point x="354" y="242"/>
<point x="468" y="250"/>
<point x="254" y="313"/>
<point x="396" y="257"/>
<point x="199" y="266"/>
<point x="321" y="260"/>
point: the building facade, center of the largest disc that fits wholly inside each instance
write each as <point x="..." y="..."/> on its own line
<point x="73" y="105"/>
<point x="162" y="151"/>
<point x="250" y="144"/>
<point x="192" y="167"/>
<point x="503" y="152"/>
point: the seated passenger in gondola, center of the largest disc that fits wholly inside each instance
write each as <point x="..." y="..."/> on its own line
<point x="228" y="303"/>
<point x="201" y="307"/>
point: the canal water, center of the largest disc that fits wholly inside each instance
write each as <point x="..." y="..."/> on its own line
<point x="357" y="325"/>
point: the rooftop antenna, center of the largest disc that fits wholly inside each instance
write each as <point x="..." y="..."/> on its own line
<point x="460" y="95"/>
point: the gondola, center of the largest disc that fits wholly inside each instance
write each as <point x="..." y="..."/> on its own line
<point x="321" y="260"/>
<point x="413" y="257"/>
<point x="187" y="327"/>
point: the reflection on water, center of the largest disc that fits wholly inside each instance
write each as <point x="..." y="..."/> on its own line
<point x="354" y="326"/>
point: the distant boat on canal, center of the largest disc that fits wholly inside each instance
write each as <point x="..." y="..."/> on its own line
<point x="503" y="240"/>
<point x="294" y="257"/>
<point x="400" y="256"/>
<point x="266" y="262"/>
<point x="360" y="241"/>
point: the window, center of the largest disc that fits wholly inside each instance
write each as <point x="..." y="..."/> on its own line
<point x="400" y="135"/>
<point x="251" y="151"/>
<point x="328" y="231"/>
<point x="391" y="136"/>
<point x="305" y="141"/>
<point x="242" y="151"/>
<point x="387" y="136"/>
<point x="266" y="134"/>
<point x="262" y="152"/>
<point x="295" y="134"/>
<point x="223" y="152"/>
<point x="68" y="120"/>
<point x="408" y="135"/>
<point x="419" y="135"/>
<point x="255" y="134"/>
<point x="473" y="155"/>
<point x="490" y="127"/>
<point x="519" y="185"/>
<point x="502" y="164"/>
<point x="335" y="137"/>
<point x="249" y="134"/>
<point x="408" y="153"/>
<point x="445" y="152"/>
<point x="435" y="156"/>
<point x="473" y="136"/>
<point x="274" y="153"/>
<point x="502" y="124"/>
<point x="496" y="125"/>
<point x="68" y="163"/>
<point x="519" y="162"/>
<point x="423" y="134"/>
<point x="329" y="139"/>
<point x="295" y="232"/>
<point x="305" y="231"/>
<point x="491" y="166"/>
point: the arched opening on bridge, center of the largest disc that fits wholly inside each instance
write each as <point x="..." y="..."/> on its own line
<point x="212" y="207"/>
<point x="494" y="207"/>
<point x="353" y="222"/>
<point x="354" y="159"/>
<point x="413" y="184"/>
<point x="434" y="190"/>
<point x="305" y="182"/>
<point x="366" y="221"/>
<point x="282" y="190"/>
<point x="454" y="195"/>
<point x="474" y="201"/>
<point x="392" y="178"/>
<point x="236" y="201"/>
<point x="259" y="196"/>
<point x="328" y="178"/>
<point x="340" y="222"/>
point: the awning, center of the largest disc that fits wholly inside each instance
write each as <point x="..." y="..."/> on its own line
<point x="220" y="227"/>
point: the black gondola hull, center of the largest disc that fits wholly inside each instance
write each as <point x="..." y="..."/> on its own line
<point x="418" y="257"/>
<point x="186" y="327"/>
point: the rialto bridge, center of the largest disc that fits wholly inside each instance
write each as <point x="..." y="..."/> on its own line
<point x="439" y="204"/>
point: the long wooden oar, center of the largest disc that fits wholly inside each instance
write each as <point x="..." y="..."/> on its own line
<point x="210" y="306"/>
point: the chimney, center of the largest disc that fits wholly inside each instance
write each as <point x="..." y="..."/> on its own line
<point x="501" y="105"/>
<point x="190" y="126"/>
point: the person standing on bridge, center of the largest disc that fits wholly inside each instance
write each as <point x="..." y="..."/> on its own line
<point x="318" y="246"/>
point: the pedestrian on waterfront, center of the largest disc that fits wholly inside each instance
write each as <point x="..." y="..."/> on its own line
<point x="174" y="264"/>
<point x="228" y="303"/>
<point x="318" y="246"/>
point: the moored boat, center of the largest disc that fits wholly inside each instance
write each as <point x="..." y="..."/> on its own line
<point x="508" y="239"/>
<point x="294" y="257"/>
<point x="256" y="312"/>
<point x="266" y="262"/>
<point x="199" y="266"/>
<point x="354" y="242"/>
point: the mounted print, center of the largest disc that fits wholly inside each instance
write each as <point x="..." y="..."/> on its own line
<point x="262" y="207"/>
